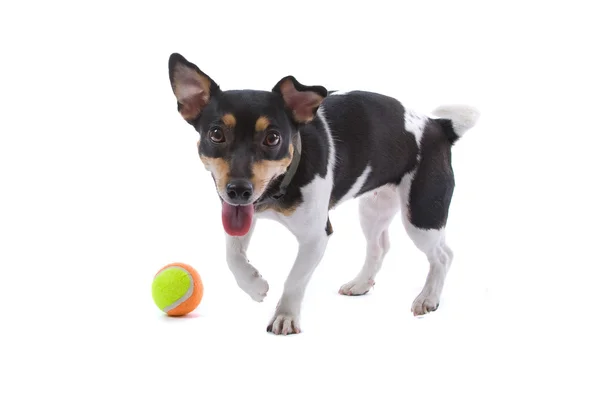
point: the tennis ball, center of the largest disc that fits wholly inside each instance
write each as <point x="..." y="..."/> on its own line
<point x="177" y="289"/>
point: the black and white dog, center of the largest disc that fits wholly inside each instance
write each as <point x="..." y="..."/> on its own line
<point x="294" y="153"/>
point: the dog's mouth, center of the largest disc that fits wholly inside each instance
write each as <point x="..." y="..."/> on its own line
<point x="237" y="219"/>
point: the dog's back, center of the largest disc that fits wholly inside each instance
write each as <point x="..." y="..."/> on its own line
<point x="378" y="141"/>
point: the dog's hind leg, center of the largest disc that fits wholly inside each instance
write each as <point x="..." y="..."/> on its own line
<point x="377" y="210"/>
<point x="432" y="243"/>
<point x="426" y="196"/>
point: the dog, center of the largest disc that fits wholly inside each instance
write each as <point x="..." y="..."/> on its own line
<point x="296" y="152"/>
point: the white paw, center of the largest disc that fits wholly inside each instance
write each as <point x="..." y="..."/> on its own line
<point x="425" y="303"/>
<point x="256" y="287"/>
<point x="357" y="287"/>
<point x="284" y="324"/>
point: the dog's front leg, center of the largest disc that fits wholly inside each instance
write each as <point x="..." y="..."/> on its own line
<point x="287" y="314"/>
<point x="248" y="278"/>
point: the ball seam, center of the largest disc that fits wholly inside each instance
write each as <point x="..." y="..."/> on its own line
<point x="187" y="294"/>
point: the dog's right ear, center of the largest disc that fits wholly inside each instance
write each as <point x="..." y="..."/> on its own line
<point x="192" y="88"/>
<point x="301" y="100"/>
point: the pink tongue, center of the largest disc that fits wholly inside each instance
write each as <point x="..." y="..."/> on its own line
<point x="237" y="219"/>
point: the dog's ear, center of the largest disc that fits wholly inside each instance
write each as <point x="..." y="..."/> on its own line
<point x="303" y="101"/>
<point x="192" y="88"/>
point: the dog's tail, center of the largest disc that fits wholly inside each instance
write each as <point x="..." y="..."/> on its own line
<point x="456" y="119"/>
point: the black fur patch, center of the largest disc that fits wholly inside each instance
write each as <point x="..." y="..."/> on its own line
<point x="368" y="129"/>
<point x="433" y="183"/>
<point x="446" y="125"/>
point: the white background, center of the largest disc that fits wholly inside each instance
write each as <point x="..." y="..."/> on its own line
<point x="101" y="186"/>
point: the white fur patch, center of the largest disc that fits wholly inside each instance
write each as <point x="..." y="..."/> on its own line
<point x="313" y="211"/>
<point x="332" y="154"/>
<point x="340" y="92"/>
<point x="404" y="188"/>
<point x="463" y="117"/>
<point x="415" y="124"/>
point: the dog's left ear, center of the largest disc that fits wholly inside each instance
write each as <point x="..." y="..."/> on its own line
<point x="303" y="101"/>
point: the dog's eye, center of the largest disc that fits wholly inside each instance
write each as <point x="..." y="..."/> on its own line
<point x="272" y="139"/>
<point x="216" y="135"/>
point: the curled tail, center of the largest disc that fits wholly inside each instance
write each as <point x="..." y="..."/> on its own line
<point x="456" y="119"/>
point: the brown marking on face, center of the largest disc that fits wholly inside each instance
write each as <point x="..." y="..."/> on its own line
<point x="220" y="170"/>
<point x="262" y="123"/>
<point x="265" y="170"/>
<point x="229" y="120"/>
<point x="192" y="91"/>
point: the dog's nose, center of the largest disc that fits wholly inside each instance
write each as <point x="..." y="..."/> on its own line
<point x="239" y="191"/>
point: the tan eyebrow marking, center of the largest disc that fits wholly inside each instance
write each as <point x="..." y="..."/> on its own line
<point x="229" y="120"/>
<point x="262" y="123"/>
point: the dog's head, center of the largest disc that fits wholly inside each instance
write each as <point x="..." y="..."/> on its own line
<point x="246" y="136"/>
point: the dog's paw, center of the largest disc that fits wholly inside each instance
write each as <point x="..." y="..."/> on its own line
<point x="425" y="303"/>
<point x="357" y="287"/>
<point x="256" y="288"/>
<point x="284" y="324"/>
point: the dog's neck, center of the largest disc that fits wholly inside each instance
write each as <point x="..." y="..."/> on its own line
<point x="291" y="171"/>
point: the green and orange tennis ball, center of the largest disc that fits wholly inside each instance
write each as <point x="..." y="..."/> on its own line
<point x="177" y="289"/>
